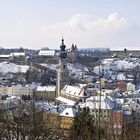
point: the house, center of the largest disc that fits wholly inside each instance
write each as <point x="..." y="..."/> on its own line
<point x="47" y="53"/>
<point x="130" y="86"/>
<point x="122" y="86"/>
<point x="4" y="57"/>
<point x="99" y="106"/>
<point x="45" y="92"/>
<point x="71" y="94"/>
<point x="67" y="120"/>
<point x="20" y="91"/>
<point x="131" y="109"/>
<point x="3" y="95"/>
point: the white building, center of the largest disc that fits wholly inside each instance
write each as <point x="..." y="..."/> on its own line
<point x="70" y="94"/>
<point x="19" y="90"/>
<point x="99" y="106"/>
<point x="46" y="53"/>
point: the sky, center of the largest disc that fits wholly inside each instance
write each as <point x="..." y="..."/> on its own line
<point x="113" y="24"/>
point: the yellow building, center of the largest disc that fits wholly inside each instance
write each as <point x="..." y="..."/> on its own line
<point x="67" y="120"/>
<point x="46" y="92"/>
<point x="51" y="120"/>
<point x="4" y="89"/>
<point x="63" y="122"/>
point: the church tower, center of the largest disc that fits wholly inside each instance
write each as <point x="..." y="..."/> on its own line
<point x="62" y="70"/>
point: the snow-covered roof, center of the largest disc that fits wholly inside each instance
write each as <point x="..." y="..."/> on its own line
<point x="19" y="86"/>
<point x="73" y="90"/>
<point x="53" y="110"/>
<point x="93" y="102"/>
<point x="33" y="85"/>
<point x="69" y="112"/>
<point x="42" y="106"/>
<point x="2" y="93"/>
<point x="5" y="56"/>
<point x="66" y="101"/>
<point x="121" y="77"/>
<point x="13" y="98"/>
<point x="95" y="105"/>
<point x="98" y="98"/>
<point x="17" y="54"/>
<point x="46" y="88"/>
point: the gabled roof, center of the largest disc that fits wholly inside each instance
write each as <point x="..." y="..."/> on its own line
<point x="69" y="112"/>
<point x="94" y="103"/>
<point x="73" y="90"/>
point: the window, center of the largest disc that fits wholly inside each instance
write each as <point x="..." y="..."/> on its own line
<point x="67" y="113"/>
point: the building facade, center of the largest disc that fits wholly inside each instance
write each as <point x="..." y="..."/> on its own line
<point x="20" y="91"/>
<point x="45" y="92"/>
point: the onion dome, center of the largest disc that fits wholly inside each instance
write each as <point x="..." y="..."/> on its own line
<point x="62" y="46"/>
<point x="63" y="53"/>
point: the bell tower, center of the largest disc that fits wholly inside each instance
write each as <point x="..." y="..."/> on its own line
<point x="62" y="70"/>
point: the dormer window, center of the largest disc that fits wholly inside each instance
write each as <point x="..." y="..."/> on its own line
<point x="67" y="113"/>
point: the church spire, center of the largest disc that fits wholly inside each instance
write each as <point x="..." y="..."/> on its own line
<point x="62" y="70"/>
<point x="62" y="40"/>
<point x="63" y="53"/>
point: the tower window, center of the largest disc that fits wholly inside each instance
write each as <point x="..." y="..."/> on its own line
<point x="64" y="66"/>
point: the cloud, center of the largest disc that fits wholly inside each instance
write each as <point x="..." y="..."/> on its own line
<point x="86" y="31"/>
<point x="113" y="31"/>
<point x="112" y="22"/>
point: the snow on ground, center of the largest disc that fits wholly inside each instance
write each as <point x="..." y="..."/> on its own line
<point x="76" y="69"/>
<point x="6" y="67"/>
